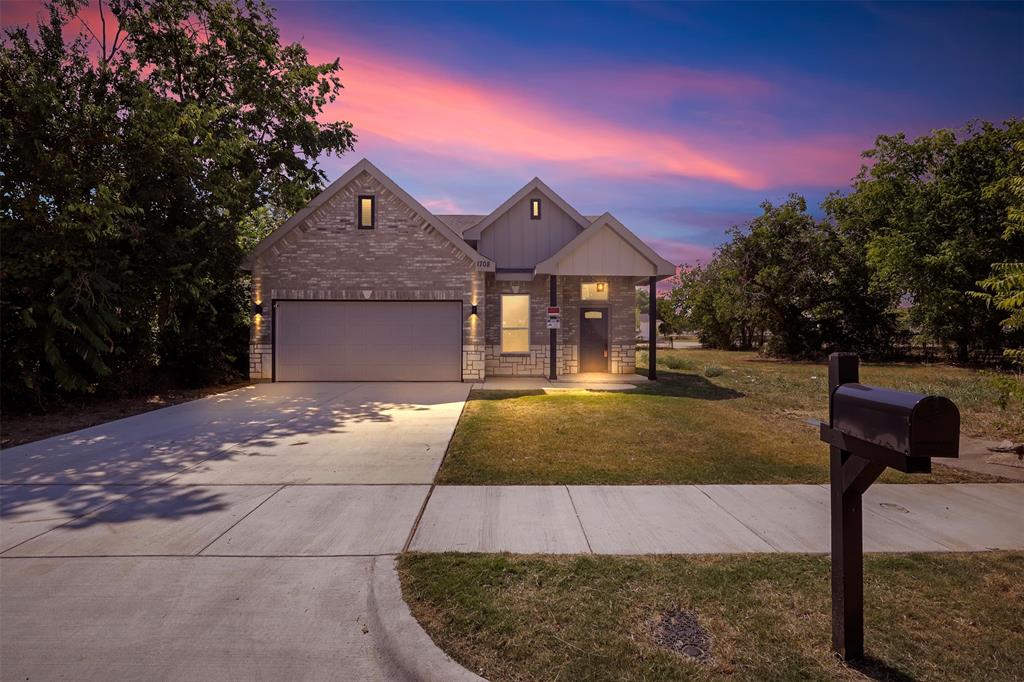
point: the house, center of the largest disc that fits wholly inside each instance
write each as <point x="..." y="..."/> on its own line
<point x="366" y="284"/>
<point x="643" y="327"/>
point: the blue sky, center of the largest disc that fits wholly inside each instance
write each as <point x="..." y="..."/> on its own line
<point x="679" y="118"/>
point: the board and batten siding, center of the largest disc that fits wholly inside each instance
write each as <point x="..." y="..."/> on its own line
<point x="606" y="253"/>
<point x="515" y="241"/>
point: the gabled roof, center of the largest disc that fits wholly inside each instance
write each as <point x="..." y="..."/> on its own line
<point x="364" y="165"/>
<point x="660" y="266"/>
<point x="460" y="222"/>
<point x="533" y="185"/>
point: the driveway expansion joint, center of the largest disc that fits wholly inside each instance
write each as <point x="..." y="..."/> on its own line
<point x="243" y="518"/>
<point x="583" y="529"/>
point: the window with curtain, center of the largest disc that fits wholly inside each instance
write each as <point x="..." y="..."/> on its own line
<point x="515" y="323"/>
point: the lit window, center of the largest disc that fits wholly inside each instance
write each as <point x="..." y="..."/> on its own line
<point x="534" y="209"/>
<point x="366" y="213"/>
<point x="594" y="291"/>
<point x="515" y="323"/>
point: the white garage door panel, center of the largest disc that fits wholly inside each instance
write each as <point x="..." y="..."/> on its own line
<point x="368" y="341"/>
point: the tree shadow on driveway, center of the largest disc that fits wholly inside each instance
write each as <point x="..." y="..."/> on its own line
<point x="74" y="475"/>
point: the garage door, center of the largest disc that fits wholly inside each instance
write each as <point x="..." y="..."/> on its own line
<point x="368" y="341"/>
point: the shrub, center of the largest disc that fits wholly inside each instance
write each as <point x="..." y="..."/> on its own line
<point x="676" y="362"/>
<point x="713" y="371"/>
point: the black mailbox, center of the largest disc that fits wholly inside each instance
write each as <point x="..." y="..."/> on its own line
<point x="869" y="429"/>
<point x="911" y="424"/>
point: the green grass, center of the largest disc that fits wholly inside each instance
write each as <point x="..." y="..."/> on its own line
<point x="928" y="617"/>
<point x="719" y="417"/>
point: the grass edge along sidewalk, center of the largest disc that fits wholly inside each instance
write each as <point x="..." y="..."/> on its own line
<point x="928" y="616"/>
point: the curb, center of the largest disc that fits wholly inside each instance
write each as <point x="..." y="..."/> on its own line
<point x="406" y="649"/>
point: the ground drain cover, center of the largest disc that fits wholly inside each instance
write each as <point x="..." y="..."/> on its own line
<point x="680" y="631"/>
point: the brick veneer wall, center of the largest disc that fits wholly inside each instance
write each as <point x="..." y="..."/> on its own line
<point x="621" y="306"/>
<point x="403" y="258"/>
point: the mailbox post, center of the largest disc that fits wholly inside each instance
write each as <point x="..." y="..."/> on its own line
<point x="868" y="430"/>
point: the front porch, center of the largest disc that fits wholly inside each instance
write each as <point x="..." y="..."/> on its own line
<point x="585" y="381"/>
<point x="595" y="334"/>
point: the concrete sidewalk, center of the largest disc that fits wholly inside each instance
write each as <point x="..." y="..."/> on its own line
<point x="689" y="519"/>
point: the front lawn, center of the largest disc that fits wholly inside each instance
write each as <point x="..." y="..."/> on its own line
<point x="928" y="616"/>
<point x="718" y="417"/>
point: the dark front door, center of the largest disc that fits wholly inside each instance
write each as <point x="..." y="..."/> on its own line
<point x="593" y="339"/>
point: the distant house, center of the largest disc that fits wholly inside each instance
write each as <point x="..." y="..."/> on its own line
<point x="366" y="284"/>
<point x="643" y="327"/>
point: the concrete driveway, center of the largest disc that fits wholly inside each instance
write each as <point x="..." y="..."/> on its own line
<point x="229" y="537"/>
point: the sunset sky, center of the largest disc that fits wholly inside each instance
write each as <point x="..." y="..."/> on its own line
<point x="678" y="118"/>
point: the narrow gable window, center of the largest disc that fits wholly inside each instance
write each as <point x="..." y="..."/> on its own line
<point x="534" y="209"/>
<point x="515" y="323"/>
<point x="366" y="212"/>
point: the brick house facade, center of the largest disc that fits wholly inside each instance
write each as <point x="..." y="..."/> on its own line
<point x="407" y="254"/>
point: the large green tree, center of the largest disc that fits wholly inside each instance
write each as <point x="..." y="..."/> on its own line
<point x="711" y="300"/>
<point x="930" y="227"/>
<point x="135" y="159"/>
<point x="1004" y="287"/>
<point x="789" y="278"/>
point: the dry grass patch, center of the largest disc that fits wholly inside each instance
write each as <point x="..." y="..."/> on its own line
<point x="797" y="390"/>
<point x="929" y="617"/>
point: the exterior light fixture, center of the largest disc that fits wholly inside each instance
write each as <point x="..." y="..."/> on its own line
<point x="600" y="286"/>
<point x="472" y="310"/>
<point x="257" y="308"/>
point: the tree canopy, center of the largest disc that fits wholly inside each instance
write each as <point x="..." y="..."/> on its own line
<point x="896" y="258"/>
<point x="933" y="226"/>
<point x="137" y="160"/>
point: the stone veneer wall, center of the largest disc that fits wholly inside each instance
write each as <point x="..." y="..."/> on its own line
<point x="621" y="306"/>
<point x="403" y="258"/>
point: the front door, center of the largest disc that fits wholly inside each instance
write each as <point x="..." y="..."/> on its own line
<point x="593" y="339"/>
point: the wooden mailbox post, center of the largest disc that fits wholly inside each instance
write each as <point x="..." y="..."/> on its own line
<point x="869" y="429"/>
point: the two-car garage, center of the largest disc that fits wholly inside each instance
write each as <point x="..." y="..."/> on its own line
<point x="367" y="340"/>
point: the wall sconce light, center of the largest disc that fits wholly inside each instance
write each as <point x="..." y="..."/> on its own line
<point x="600" y="286"/>
<point x="257" y="308"/>
<point x="472" y="310"/>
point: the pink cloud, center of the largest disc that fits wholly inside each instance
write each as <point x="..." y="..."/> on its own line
<point x="442" y="205"/>
<point x="415" y="105"/>
<point x="412" y="104"/>
<point x="680" y="252"/>
<point x="21" y="13"/>
<point x="491" y="125"/>
<point x="31" y="13"/>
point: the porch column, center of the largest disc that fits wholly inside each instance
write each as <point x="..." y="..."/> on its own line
<point x="553" y="338"/>
<point x="652" y="321"/>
